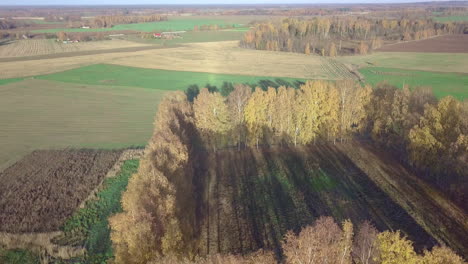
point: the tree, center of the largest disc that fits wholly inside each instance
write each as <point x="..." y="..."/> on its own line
<point x="319" y="243"/>
<point x="192" y="92"/>
<point x="431" y="141"/>
<point x="237" y="100"/>
<point x="353" y="100"/>
<point x="211" y="116"/>
<point x="62" y="36"/>
<point x="395" y="249"/>
<point x="365" y="244"/>
<point x="332" y="50"/>
<point x="346" y="242"/>
<point x="256" y="116"/>
<point x="307" y="49"/>
<point x="441" y="255"/>
<point x="151" y="224"/>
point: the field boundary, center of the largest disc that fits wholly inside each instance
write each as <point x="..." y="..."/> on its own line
<point x="41" y="243"/>
<point x="128" y="154"/>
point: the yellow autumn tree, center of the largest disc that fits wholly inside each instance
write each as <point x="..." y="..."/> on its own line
<point x="237" y="100"/>
<point x="395" y="249"/>
<point x="441" y="255"/>
<point x="211" y="117"/>
<point x="149" y="225"/>
<point x="256" y="116"/>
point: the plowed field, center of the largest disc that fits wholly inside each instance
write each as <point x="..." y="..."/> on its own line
<point x="39" y="192"/>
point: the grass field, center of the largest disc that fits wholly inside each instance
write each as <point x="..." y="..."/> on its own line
<point x="91" y="222"/>
<point x="170" y="25"/>
<point x="443" y="84"/>
<point x="460" y="18"/>
<point x="115" y="75"/>
<point x="41" y="114"/>
<point x="437" y="62"/>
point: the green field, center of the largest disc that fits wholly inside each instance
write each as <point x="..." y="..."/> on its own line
<point x="6" y="81"/>
<point x="115" y="75"/>
<point x="170" y="25"/>
<point x="90" y="224"/>
<point x="41" y="114"/>
<point x="443" y="84"/>
<point x="97" y="106"/>
<point x="460" y="18"/>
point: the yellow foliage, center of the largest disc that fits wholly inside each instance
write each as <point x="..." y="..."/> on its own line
<point x="395" y="249"/>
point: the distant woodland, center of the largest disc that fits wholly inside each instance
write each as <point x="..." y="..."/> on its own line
<point x="332" y="36"/>
<point x="160" y="219"/>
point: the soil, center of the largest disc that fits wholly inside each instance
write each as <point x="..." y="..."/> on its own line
<point x="442" y="44"/>
<point x="39" y="192"/>
<point x="251" y="198"/>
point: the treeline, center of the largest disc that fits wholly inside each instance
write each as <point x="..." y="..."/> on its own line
<point x="331" y="36"/>
<point x="427" y="134"/>
<point x="160" y="224"/>
<point x="7" y="24"/>
<point x="110" y="21"/>
<point x="327" y="242"/>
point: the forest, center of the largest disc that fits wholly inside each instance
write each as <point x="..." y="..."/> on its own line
<point x="333" y="36"/>
<point x="163" y="205"/>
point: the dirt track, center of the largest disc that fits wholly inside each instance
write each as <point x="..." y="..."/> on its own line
<point x="44" y="188"/>
<point x="442" y="44"/>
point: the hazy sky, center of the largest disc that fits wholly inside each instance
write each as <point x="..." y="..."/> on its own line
<point x="156" y="2"/>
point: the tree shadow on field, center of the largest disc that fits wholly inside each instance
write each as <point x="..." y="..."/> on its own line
<point x="250" y="198"/>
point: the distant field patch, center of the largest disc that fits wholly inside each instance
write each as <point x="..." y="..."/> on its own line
<point x="445" y="44"/>
<point x="194" y="36"/>
<point x="460" y="18"/>
<point x="35" y="47"/>
<point x="41" y="114"/>
<point x="443" y="84"/>
<point x="115" y="75"/>
<point x="170" y="25"/>
<point x="437" y="62"/>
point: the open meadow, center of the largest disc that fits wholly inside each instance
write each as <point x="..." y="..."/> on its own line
<point x="442" y="83"/>
<point x="40" y="114"/>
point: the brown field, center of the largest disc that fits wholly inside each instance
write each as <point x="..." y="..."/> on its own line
<point x="42" y="190"/>
<point x="34" y="47"/>
<point x="214" y="57"/>
<point x="444" y="44"/>
<point x="252" y="197"/>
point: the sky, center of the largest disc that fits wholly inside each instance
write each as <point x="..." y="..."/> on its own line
<point x="191" y="2"/>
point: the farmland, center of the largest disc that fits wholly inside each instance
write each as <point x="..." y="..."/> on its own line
<point x="170" y="25"/>
<point x="40" y="114"/>
<point x="223" y="57"/>
<point x="115" y="75"/>
<point x="36" y="192"/>
<point x="459" y="18"/>
<point x="434" y="62"/>
<point x="443" y="44"/>
<point x="443" y="84"/>
<point x="34" y="47"/>
<point x="194" y="36"/>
